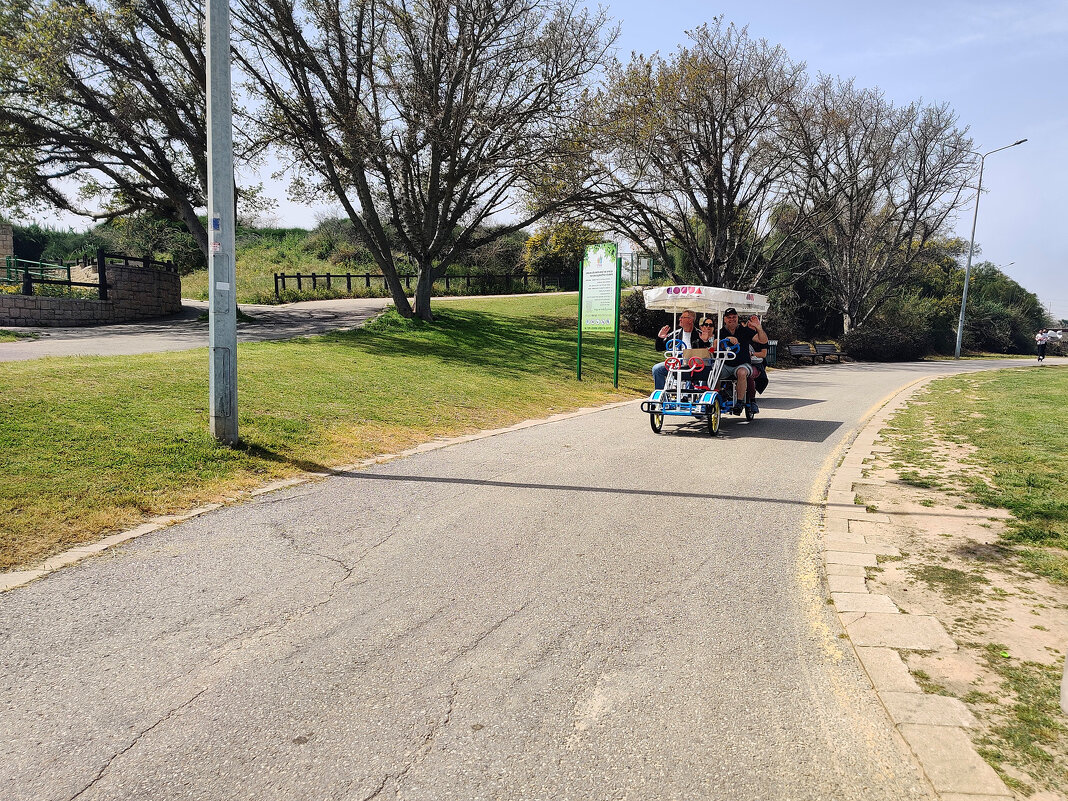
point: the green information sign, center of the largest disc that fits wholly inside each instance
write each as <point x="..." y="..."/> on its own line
<point x="600" y="287"/>
<point x="599" y="283"/>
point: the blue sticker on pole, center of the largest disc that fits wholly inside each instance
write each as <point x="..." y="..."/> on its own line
<point x="216" y="223"/>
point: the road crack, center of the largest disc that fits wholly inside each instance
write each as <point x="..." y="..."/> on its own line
<point x="135" y="741"/>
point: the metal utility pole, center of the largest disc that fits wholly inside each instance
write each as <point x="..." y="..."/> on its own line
<point x="222" y="309"/>
<point x="971" y="247"/>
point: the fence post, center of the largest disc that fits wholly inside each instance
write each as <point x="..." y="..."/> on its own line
<point x="277" y="294"/>
<point x="102" y="273"/>
<point x="367" y="278"/>
<point x="27" y="279"/>
<point x="300" y="287"/>
<point x="348" y="282"/>
<point x="315" y="284"/>
<point x="407" y="282"/>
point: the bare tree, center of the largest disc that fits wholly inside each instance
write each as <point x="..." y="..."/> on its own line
<point x="427" y="116"/>
<point x="102" y="108"/>
<point x="695" y="150"/>
<point x="876" y="183"/>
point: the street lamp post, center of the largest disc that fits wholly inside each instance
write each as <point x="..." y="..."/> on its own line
<point x="971" y="247"/>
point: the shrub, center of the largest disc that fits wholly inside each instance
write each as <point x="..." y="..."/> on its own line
<point x="637" y="319"/>
<point x="882" y="342"/>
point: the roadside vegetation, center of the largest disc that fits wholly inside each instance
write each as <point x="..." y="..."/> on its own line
<point x="978" y="472"/>
<point x="1013" y="424"/>
<point x="14" y="336"/>
<point x="97" y="444"/>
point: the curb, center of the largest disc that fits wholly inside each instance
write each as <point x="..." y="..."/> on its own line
<point x="933" y="726"/>
<point x="18" y="578"/>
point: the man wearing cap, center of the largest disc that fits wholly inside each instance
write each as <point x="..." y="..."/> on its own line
<point x="739" y="368"/>
<point x="690" y="336"/>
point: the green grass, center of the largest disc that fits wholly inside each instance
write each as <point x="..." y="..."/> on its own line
<point x="1029" y="732"/>
<point x="1021" y="457"/>
<point x="95" y="444"/>
<point x="259" y="260"/>
<point x="953" y="583"/>
<point x="14" y="336"/>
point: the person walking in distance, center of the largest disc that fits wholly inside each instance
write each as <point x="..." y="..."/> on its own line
<point x="1041" y="338"/>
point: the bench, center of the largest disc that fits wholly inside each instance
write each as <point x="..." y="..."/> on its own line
<point x="802" y="350"/>
<point x="828" y="349"/>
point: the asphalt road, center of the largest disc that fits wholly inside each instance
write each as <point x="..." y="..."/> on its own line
<point x="581" y="610"/>
<point x="186" y="330"/>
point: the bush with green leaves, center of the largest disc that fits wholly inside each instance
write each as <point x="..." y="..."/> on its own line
<point x="637" y="319"/>
<point x="879" y="342"/>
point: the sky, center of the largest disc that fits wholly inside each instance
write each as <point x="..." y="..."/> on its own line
<point x="1002" y="66"/>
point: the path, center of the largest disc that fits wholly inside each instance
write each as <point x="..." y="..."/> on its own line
<point x="580" y="610"/>
<point x="186" y="330"/>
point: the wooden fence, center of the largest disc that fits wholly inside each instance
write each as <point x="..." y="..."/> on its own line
<point x="483" y="282"/>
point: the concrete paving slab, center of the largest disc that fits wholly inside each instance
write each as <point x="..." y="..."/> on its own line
<point x="854" y="512"/>
<point x="835" y="525"/>
<point x="864" y="602"/>
<point x="850" y="584"/>
<point x="919" y="632"/>
<point x="843" y="536"/>
<point x="887" y="671"/>
<point x="869" y="528"/>
<point x="837" y="544"/>
<point x="930" y="710"/>
<point x="849" y="617"/>
<point x="850" y="558"/>
<point x="840" y="496"/>
<point x="846" y="570"/>
<point x="973" y="797"/>
<point x="950" y="761"/>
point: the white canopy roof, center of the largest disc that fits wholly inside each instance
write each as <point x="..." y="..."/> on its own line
<point x="704" y="299"/>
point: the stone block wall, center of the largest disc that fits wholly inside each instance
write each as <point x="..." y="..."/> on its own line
<point x="134" y="293"/>
<point x="7" y="241"/>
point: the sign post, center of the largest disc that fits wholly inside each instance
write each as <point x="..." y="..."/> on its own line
<point x="599" y="282"/>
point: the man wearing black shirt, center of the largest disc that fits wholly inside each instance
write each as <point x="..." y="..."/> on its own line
<point x="739" y="368"/>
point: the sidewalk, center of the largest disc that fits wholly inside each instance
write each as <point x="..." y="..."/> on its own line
<point x="853" y="539"/>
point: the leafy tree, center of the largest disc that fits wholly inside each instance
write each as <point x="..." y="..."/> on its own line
<point x="429" y="117"/>
<point x="695" y="149"/>
<point x="102" y="108"/>
<point x="880" y="182"/>
<point x="558" y="248"/>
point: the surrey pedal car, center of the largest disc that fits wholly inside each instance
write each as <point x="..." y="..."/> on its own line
<point x="708" y="397"/>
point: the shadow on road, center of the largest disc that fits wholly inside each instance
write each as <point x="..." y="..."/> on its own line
<point x="479" y="482"/>
<point x="785" y="428"/>
<point x="788" y="403"/>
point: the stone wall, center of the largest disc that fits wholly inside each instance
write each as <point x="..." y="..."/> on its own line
<point x="7" y="241"/>
<point x="134" y="293"/>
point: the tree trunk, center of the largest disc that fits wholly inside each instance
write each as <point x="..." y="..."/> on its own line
<point x="396" y="288"/>
<point x="192" y="224"/>
<point x="424" y="283"/>
<point x="847" y="322"/>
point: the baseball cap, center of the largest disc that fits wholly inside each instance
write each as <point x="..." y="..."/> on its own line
<point x="730" y="311"/>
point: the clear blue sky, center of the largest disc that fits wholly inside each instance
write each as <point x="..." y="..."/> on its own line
<point x="1003" y="66"/>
